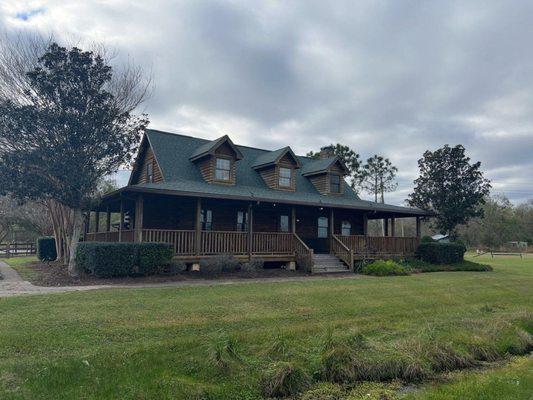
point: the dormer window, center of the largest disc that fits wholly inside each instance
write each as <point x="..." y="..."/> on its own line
<point x="285" y="177"/>
<point x="223" y="169"/>
<point x="334" y="183"/>
<point x="150" y="172"/>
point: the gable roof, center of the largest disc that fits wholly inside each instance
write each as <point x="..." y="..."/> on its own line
<point x="273" y="157"/>
<point x="210" y="148"/>
<point x="182" y="177"/>
<point x="322" y="165"/>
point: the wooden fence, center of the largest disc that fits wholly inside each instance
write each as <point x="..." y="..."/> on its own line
<point x="17" y="249"/>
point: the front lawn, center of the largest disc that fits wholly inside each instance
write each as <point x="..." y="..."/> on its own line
<point x="24" y="265"/>
<point x="216" y="342"/>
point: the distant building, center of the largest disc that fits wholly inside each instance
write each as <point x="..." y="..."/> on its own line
<point x="441" y="238"/>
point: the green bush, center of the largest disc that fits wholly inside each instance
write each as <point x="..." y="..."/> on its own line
<point x="106" y="260"/>
<point x="152" y="256"/>
<point x="385" y="268"/>
<point x="253" y="265"/>
<point x="422" y="266"/>
<point x="441" y="253"/>
<point x="216" y="265"/>
<point x="173" y="268"/>
<point x="283" y="379"/>
<point x="46" y="248"/>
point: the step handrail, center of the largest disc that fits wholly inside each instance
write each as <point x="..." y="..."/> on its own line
<point x="301" y="249"/>
<point x="345" y="254"/>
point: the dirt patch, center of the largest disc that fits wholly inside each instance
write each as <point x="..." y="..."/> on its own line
<point x="55" y="274"/>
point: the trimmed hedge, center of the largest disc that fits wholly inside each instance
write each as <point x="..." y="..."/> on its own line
<point x="441" y="253"/>
<point x="46" y="248"/>
<point x="106" y="260"/>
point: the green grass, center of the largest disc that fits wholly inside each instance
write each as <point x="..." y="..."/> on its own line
<point x="20" y="264"/>
<point x="216" y="342"/>
<point x="513" y="381"/>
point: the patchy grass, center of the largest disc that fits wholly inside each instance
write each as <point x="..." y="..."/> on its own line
<point x="232" y="342"/>
<point x="512" y="381"/>
<point x="23" y="265"/>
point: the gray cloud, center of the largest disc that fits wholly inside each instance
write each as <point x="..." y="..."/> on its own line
<point x="393" y="78"/>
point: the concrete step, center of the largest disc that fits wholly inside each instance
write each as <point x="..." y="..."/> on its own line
<point x="328" y="264"/>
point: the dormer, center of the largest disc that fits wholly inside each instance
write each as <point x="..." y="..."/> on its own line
<point x="278" y="168"/>
<point x="217" y="160"/>
<point x="145" y="168"/>
<point x="327" y="175"/>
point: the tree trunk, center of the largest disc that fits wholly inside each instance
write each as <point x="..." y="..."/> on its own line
<point x="77" y="222"/>
<point x="376" y="189"/>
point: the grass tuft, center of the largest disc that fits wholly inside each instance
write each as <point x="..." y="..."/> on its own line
<point x="283" y="379"/>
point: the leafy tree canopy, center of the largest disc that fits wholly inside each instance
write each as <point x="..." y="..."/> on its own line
<point x="451" y="186"/>
<point x="68" y="132"/>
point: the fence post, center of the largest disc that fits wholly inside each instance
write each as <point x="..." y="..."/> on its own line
<point x="8" y="245"/>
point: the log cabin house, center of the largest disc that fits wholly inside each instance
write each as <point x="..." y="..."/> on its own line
<point x="209" y="198"/>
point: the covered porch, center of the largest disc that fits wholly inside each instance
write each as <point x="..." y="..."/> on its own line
<point x="203" y="227"/>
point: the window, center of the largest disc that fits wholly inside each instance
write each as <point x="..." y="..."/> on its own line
<point x="206" y="219"/>
<point x="285" y="177"/>
<point x="346" y="228"/>
<point x="242" y="221"/>
<point x="150" y="172"/>
<point x="334" y="183"/>
<point x="284" y="223"/>
<point x="222" y="170"/>
<point x="322" y="227"/>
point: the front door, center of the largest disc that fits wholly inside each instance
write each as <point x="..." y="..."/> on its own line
<point x="320" y="242"/>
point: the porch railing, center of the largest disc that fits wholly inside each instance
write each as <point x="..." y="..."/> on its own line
<point x="183" y="241"/>
<point x="369" y="245"/>
<point x="220" y="242"/>
<point x="267" y="243"/>
<point x="341" y="251"/>
<point x="113" y="236"/>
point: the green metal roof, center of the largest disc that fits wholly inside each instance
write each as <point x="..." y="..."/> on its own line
<point x="270" y="157"/>
<point x="181" y="175"/>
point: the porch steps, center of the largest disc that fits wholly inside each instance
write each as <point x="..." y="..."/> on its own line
<point x="328" y="264"/>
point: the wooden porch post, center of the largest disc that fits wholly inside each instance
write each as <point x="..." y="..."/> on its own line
<point x="250" y="230"/>
<point x="139" y="210"/>
<point x="97" y="221"/>
<point x="385" y="226"/>
<point x="108" y="220"/>
<point x="418" y="227"/>
<point x="198" y="226"/>
<point x="365" y="225"/>
<point x="393" y="226"/>
<point x="331" y="222"/>
<point x="121" y="220"/>
<point x="293" y="220"/>
<point x="107" y="224"/>
<point x="88" y="222"/>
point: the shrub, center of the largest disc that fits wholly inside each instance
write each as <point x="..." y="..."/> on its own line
<point x="106" y="260"/>
<point x="427" y="239"/>
<point x="283" y="379"/>
<point x="423" y="266"/>
<point x="153" y="256"/>
<point x="441" y="253"/>
<point x="46" y="248"/>
<point x="324" y="391"/>
<point x="304" y="262"/>
<point x="174" y="267"/>
<point x="385" y="268"/>
<point x="253" y="265"/>
<point x="219" y="264"/>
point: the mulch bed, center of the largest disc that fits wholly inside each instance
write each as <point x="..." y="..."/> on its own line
<point x="55" y="274"/>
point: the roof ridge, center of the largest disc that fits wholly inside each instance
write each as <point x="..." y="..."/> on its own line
<point x="210" y="140"/>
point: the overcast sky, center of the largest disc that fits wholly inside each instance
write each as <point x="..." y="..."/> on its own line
<point x="388" y="77"/>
